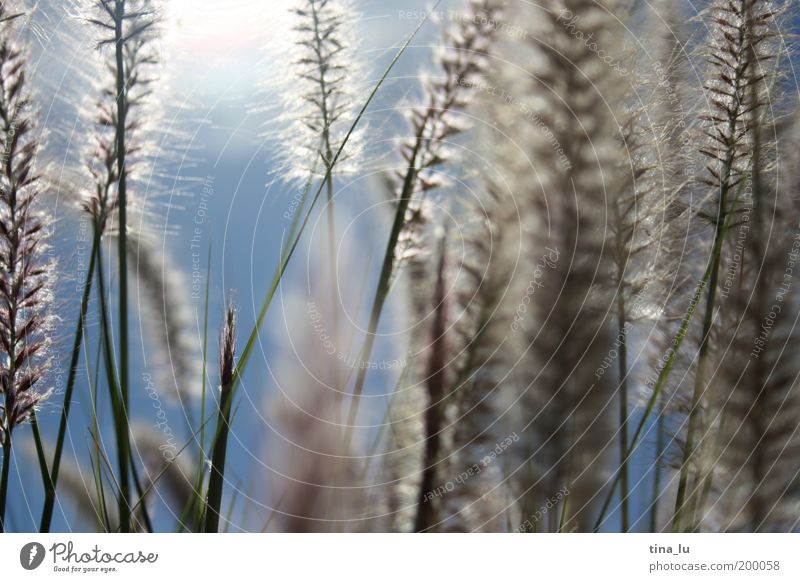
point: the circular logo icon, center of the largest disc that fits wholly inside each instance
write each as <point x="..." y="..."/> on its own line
<point x="31" y="555"/>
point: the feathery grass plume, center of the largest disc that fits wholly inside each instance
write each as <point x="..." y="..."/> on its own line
<point x="671" y="293"/>
<point x="402" y="458"/>
<point x="25" y="270"/>
<point x="739" y="60"/>
<point x="648" y="220"/>
<point x="634" y="222"/>
<point x="462" y="60"/>
<point x="412" y="410"/>
<point x="484" y="352"/>
<point x="321" y="89"/>
<point x="227" y="370"/>
<point x="321" y="100"/>
<point x="93" y="178"/>
<point x="139" y="65"/>
<point x="166" y="316"/>
<point x="663" y="163"/>
<point x="561" y="158"/>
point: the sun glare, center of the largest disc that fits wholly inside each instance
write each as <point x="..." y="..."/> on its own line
<point x="215" y="30"/>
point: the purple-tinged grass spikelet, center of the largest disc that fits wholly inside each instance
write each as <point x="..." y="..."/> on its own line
<point x="26" y="272"/>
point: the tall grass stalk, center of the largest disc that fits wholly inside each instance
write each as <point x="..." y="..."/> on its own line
<point x="671" y="111"/>
<point x="700" y="380"/>
<point x="657" y="389"/>
<point x="568" y="433"/>
<point x="94" y="391"/>
<point x="4" y="481"/>
<point x="482" y="355"/>
<point x="622" y="370"/>
<point x="753" y="468"/>
<point x="621" y="258"/>
<point x="637" y="226"/>
<point x="761" y="88"/>
<point x="660" y="446"/>
<point x="122" y="257"/>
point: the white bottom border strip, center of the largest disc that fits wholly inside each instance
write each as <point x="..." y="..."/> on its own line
<point x="401" y="557"/>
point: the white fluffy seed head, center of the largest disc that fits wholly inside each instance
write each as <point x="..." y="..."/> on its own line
<point x="319" y="86"/>
<point x="141" y="29"/>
